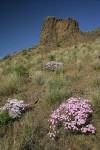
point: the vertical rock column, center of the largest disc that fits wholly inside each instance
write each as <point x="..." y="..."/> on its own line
<point x="59" y="31"/>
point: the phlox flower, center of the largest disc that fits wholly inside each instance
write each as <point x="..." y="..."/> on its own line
<point x="73" y="115"/>
<point x="15" y="107"/>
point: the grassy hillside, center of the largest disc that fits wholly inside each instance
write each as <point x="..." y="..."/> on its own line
<point x="22" y="76"/>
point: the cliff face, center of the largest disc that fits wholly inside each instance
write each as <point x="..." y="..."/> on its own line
<point x="59" y="31"/>
<point x="64" y="32"/>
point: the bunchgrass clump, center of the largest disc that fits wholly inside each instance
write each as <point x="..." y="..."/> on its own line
<point x="73" y="115"/>
<point x="54" y="96"/>
<point x="9" y="84"/>
<point x="57" y="89"/>
<point x="56" y="82"/>
<point x="38" y="78"/>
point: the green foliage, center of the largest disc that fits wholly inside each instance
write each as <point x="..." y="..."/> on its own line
<point x="21" y="70"/>
<point x="24" y="52"/>
<point x="7" y="57"/>
<point x="34" y="46"/>
<point x="58" y="44"/>
<point x="4" y="117"/>
<point x="51" y="57"/>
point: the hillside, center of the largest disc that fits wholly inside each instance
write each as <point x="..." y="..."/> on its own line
<point x="24" y="77"/>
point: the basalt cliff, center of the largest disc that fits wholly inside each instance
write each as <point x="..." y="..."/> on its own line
<point x="64" y="32"/>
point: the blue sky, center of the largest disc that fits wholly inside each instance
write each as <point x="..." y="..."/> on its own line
<point x="21" y="20"/>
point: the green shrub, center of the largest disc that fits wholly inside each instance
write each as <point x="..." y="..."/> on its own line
<point x="4" y="117"/>
<point x="51" y="57"/>
<point x="7" y="57"/>
<point x="21" y="70"/>
<point x="58" y="44"/>
<point x="24" y="52"/>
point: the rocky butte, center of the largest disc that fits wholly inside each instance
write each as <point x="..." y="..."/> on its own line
<point x="63" y="32"/>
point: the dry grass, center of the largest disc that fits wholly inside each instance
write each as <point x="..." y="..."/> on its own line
<point x="44" y="90"/>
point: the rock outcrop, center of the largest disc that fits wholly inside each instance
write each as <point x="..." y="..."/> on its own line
<point x="59" y="32"/>
<point x="64" y="32"/>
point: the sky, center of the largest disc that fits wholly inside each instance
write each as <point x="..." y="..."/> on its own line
<point x="21" y="20"/>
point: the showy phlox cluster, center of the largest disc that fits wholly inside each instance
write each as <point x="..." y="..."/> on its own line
<point x="72" y="115"/>
<point x="52" y="65"/>
<point x="14" y="107"/>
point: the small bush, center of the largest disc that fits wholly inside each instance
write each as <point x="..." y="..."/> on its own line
<point x="7" y="57"/>
<point x="24" y="52"/>
<point x="4" y="117"/>
<point x="21" y="70"/>
<point x="58" y="44"/>
<point x="51" y="57"/>
<point x="73" y="115"/>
